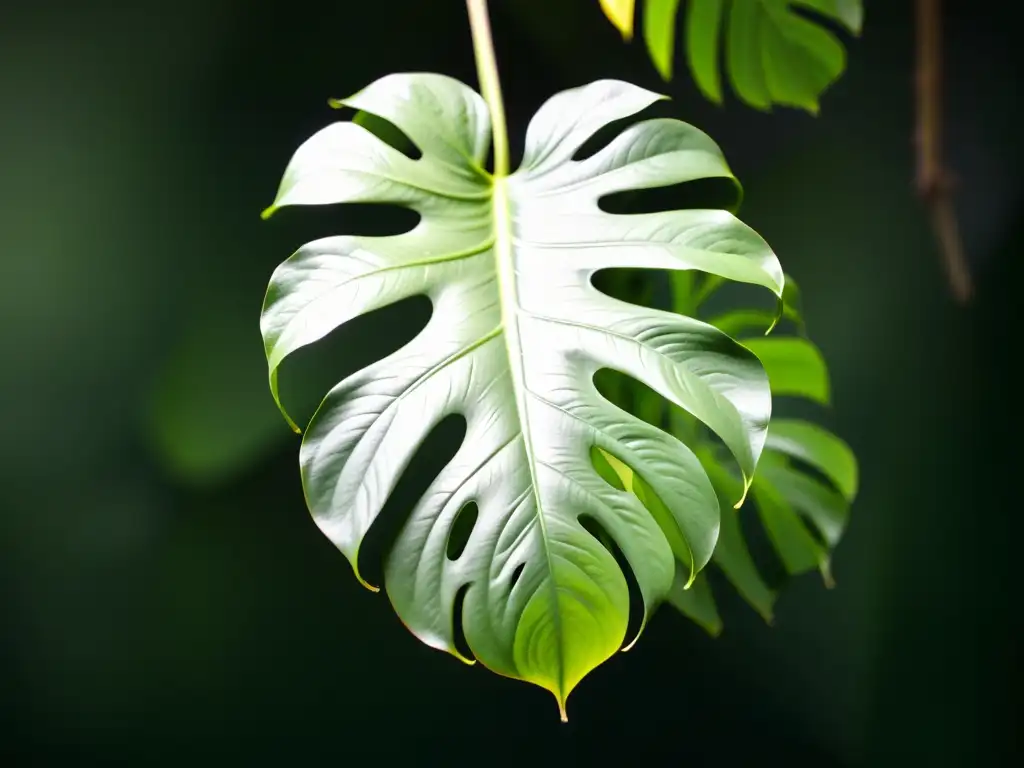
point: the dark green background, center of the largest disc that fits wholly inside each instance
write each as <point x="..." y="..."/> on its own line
<point x="164" y="595"/>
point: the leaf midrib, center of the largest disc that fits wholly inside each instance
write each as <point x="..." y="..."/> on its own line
<point x="508" y="295"/>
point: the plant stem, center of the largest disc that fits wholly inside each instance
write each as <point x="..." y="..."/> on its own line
<point x="490" y="85"/>
<point x="933" y="178"/>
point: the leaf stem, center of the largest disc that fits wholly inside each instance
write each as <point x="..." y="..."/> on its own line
<point x="490" y="85"/>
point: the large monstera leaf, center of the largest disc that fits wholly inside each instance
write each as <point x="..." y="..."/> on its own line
<point x="774" y="54"/>
<point x="516" y="335"/>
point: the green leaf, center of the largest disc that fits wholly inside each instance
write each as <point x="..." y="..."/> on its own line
<point x="704" y="23"/>
<point x="795" y="367"/>
<point x="787" y="497"/>
<point x="732" y="554"/>
<point x="822" y="505"/>
<point x="740" y="322"/>
<point x="696" y="601"/>
<point x="797" y="549"/>
<point x="660" y="33"/>
<point x="516" y="335"/>
<point x="818" y="447"/>
<point x="628" y="480"/>
<point x="774" y="54"/>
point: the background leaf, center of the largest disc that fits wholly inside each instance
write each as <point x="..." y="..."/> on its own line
<point x="795" y="367"/>
<point x="803" y="517"/>
<point x="696" y="601"/>
<point x="818" y="447"/>
<point x="774" y="54"/>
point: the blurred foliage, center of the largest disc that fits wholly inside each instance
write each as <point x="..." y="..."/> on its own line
<point x="774" y="53"/>
<point x="807" y="477"/>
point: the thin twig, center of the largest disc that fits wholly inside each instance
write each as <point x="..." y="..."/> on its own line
<point x="934" y="184"/>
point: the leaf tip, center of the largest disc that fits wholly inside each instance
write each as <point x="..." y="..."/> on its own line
<point x="640" y="630"/>
<point x="363" y="581"/>
<point x="280" y="406"/>
<point x="738" y="504"/>
<point x="663" y="65"/>
<point x="353" y="559"/>
<point x="855" y="20"/>
<point x="266" y="213"/>
<point x="712" y="94"/>
<point x="693" y="575"/>
<point x="826" y="575"/>
<point x="336" y="103"/>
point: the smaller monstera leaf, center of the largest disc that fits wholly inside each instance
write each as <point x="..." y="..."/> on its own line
<point x="517" y="333"/>
<point x="774" y="54"/>
<point x="805" y="482"/>
<point x="798" y="498"/>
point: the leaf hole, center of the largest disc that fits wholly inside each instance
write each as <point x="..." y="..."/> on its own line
<point x="461" y="529"/>
<point x="607" y="133"/>
<point x="389" y="133"/>
<point x="310" y="372"/>
<point x="458" y="631"/>
<point x="643" y="287"/>
<point x="604" y="469"/>
<point x="356" y="219"/>
<point x="488" y="160"/>
<point x="813" y="531"/>
<point x="516" y="574"/>
<point x="731" y="297"/>
<point x="633" y="397"/>
<point x="636" y="599"/>
<point x="436" y="450"/>
<point x="699" y="194"/>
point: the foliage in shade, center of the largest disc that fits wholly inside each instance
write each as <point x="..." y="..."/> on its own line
<point x="517" y="334"/>
<point x="806" y="479"/>
<point x="775" y="52"/>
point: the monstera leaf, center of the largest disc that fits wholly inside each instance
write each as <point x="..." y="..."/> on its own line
<point x="774" y="53"/>
<point x="806" y="479"/>
<point x="516" y="336"/>
<point x="804" y="486"/>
